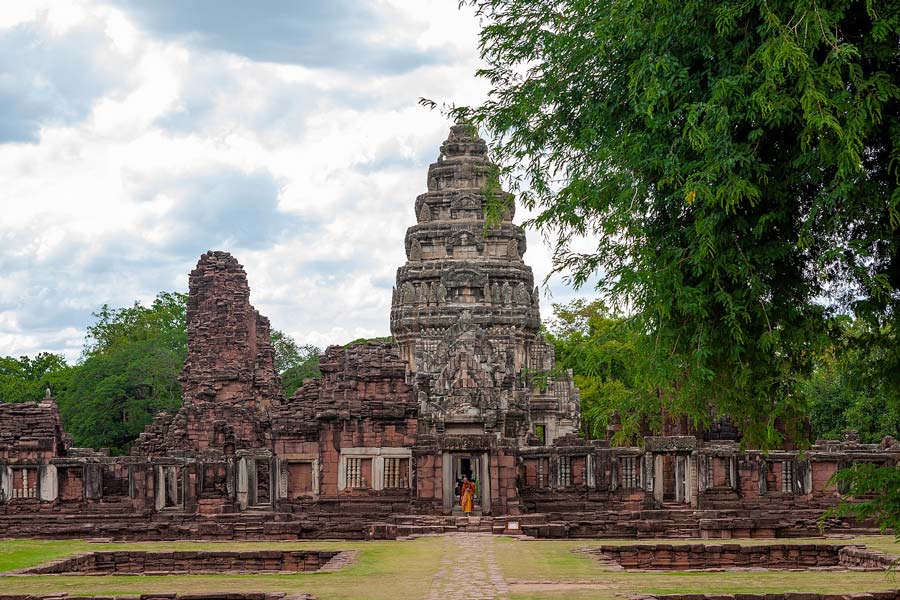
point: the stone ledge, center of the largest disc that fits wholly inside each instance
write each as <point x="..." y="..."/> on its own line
<point x="165" y="596"/>
<point x="193" y="562"/>
<point x="698" y="556"/>
<point x="881" y="595"/>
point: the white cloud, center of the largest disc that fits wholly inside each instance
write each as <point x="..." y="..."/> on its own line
<point x="132" y="141"/>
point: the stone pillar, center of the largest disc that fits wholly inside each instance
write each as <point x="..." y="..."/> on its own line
<point x="679" y="477"/>
<point x="172" y="484"/>
<point x="342" y="472"/>
<point x="281" y="468"/>
<point x="243" y="497"/>
<point x="614" y="473"/>
<point x="252" y="483"/>
<point x="590" y="479"/>
<point x="274" y="481"/>
<point x="5" y="483"/>
<point x="447" y="479"/>
<point x="647" y="477"/>
<point x="378" y="472"/>
<point x="486" y="483"/>
<point x="763" y="471"/>
<point x="93" y="481"/>
<point x="316" y="476"/>
<point x="702" y="473"/>
<point x="159" y="489"/>
<point x="658" y="478"/>
<point x="689" y="479"/>
<point x="48" y="483"/>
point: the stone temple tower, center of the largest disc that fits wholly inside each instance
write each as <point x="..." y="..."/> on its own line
<point x="465" y="311"/>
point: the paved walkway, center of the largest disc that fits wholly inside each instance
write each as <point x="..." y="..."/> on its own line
<point x="468" y="570"/>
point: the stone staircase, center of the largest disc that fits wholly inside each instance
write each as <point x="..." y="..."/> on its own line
<point x="666" y="522"/>
<point x="407" y="526"/>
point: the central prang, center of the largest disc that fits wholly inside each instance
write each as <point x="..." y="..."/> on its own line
<point x="465" y="310"/>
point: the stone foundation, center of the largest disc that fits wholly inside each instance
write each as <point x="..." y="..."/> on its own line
<point x="187" y="562"/>
<point x="688" y="557"/>
<point x="882" y="595"/>
<point x="165" y="596"/>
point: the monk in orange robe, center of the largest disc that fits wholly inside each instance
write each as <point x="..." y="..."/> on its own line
<point x="467" y="495"/>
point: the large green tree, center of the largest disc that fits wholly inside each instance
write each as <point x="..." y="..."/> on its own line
<point x="601" y="349"/>
<point x="129" y="372"/>
<point x="736" y="163"/>
<point x="848" y="389"/>
<point x="26" y="379"/>
<point x="294" y="362"/>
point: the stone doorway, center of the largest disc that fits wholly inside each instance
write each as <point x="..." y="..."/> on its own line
<point x="476" y="467"/>
<point x="673" y="478"/>
<point x="469" y="466"/>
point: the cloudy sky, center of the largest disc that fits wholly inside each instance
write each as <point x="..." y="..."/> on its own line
<point x="136" y="134"/>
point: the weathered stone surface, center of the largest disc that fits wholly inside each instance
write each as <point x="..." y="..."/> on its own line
<point x="465" y="308"/>
<point x="180" y="562"/>
<point x="229" y="383"/>
<point x="681" y="557"/>
<point x="31" y="429"/>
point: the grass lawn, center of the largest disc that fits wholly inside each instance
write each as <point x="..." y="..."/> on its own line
<point x="398" y="570"/>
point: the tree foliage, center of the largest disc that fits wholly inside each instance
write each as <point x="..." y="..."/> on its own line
<point x="294" y="362"/>
<point x="737" y="163"/>
<point x="26" y="379"/>
<point x="129" y="372"/>
<point x="872" y="492"/>
<point x="848" y="388"/>
<point x="601" y="349"/>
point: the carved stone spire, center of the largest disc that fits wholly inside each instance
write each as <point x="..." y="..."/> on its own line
<point x="470" y="346"/>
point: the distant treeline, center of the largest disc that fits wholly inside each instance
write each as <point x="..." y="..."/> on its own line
<point x="128" y="371"/>
<point x="850" y="386"/>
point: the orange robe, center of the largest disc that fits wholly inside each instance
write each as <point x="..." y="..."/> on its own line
<point x="467" y="496"/>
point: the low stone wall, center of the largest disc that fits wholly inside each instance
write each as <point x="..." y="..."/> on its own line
<point x="859" y="557"/>
<point x="882" y="595"/>
<point x="164" y="596"/>
<point x="736" y="556"/>
<point x="193" y="562"/>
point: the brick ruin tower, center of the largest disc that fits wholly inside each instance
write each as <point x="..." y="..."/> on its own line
<point x="229" y="383"/>
<point x="465" y="310"/>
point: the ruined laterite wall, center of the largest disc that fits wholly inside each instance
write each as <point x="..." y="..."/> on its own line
<point x="878" y="595"/>
<point x="229" y="381"/>
<point x="193" y="562"/>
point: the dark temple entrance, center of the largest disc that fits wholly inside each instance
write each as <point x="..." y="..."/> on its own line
<point x="473" y="466"/>
<point x="470" y="467"/>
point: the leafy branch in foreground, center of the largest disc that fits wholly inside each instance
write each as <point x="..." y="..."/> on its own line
<point x="871" y="492"/>
<point x="736" y="165"/>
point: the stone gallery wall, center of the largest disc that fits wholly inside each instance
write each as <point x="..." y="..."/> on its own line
<point x="878" y="595"/>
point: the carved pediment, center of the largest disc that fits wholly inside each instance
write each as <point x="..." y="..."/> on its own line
<point x="470" y="278"/>
<point x="463" y="238"/>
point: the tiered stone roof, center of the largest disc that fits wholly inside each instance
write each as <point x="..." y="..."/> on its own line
<point x="361" y="381"/>
<point x="31" y="428"/>
<point x="465" y="310"/>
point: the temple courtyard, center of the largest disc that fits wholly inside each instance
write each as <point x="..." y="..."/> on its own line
<point x="461" y="565"/>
